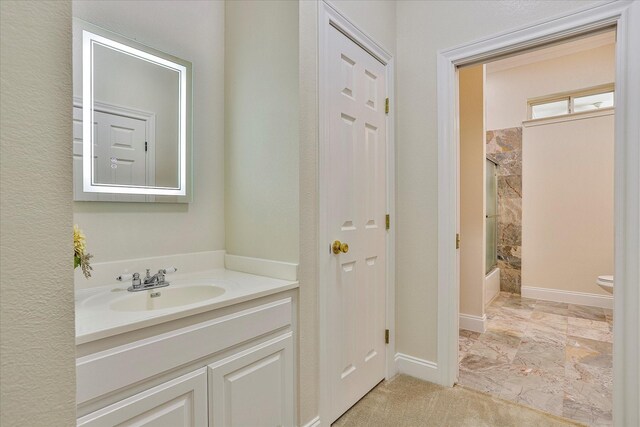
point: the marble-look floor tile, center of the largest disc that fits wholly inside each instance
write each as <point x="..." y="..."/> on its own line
<point x="499" y="346"/>
<point x="593" y="334"/>
<point x="588" y="394"/>
<point x="548" y="322"/>
<point x="562" y="362"/>
<point x="466" y="340"/>
<point x="546" y="333"/>
<point x="547" y="356"/>
<point x="587" y="323"/>
<point x="591" y="313"/>
<point x="585" y="413"/>
<point x="559" y="308"/>
<point x="501" y="324"/>
<point x="592" y="375"/>
<point x="520" y="303"/>
<point x="589" y="352"/>
<point x="469" y="334"/>
<point x="538" y="388"/>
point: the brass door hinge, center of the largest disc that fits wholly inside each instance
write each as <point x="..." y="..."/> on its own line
<point x="386" y="336"/>
<point x="457" y="240"/>
<point x="387" y="221"/>
<point x="386" y="106"/>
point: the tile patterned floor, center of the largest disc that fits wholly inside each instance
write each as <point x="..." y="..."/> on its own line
<point x="551" y="356"/>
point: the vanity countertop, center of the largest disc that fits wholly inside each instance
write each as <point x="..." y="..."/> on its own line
<point x="96" y="320"/>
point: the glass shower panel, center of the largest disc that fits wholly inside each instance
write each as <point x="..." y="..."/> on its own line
<point x="491" y="183"/>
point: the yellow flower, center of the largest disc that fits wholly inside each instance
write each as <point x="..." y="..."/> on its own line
<point x="78" y="240"/>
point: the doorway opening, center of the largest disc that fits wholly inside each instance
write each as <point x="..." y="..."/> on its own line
<point x="537" y="227"/>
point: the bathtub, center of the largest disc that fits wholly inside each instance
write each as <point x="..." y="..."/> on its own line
<point x="491" y="285"/>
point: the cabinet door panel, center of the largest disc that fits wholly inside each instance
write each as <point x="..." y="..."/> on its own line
<point x="176" y="403"/>
<point x="254" y="387"/>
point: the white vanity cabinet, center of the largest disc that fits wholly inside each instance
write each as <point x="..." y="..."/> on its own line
<point x="176" y="403"/>
<point x="233" y="366"/>
<point x="254" y="387"/>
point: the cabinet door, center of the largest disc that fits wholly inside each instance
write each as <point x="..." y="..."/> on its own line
<point x="254" y="387"/>
<point x="176" y="403"/>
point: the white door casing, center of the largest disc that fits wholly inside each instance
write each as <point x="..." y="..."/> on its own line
<point x="625" y="15"/>
<point x="356" y="208"/>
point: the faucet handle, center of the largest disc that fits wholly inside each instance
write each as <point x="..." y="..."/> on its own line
<point x="169" y="270"/>
<point x="136" y="282"/>
<point x="135" y="279"/>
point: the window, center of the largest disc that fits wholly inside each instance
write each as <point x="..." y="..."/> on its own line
<point x="575" y="102"/>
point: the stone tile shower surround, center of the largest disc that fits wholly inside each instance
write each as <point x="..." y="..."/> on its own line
<point x="504" y="146"/>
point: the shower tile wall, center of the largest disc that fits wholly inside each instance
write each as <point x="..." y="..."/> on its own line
<point x="504" y="146"/>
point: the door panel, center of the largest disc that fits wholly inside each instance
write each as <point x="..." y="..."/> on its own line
<point x="116" y="137"/>
<point x="181" y="402"/>
<point x="254" y="387"/>
<point x="356" y="208"/>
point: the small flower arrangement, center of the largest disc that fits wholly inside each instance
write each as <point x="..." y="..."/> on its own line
<point x="80" y="257"/>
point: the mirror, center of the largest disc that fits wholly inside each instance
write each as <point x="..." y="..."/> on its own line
<point x="131" y="120"/>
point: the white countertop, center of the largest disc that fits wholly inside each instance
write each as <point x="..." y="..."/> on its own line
<point x="95" y="320"/>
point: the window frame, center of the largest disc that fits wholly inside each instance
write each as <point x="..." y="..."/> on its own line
<point x="569" y="96"/>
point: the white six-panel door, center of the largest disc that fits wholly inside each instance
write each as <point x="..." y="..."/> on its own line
<point x="356" y="208"/>
<point x="119" y="154"/>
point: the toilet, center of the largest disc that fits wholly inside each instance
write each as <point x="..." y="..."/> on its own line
<point x="606" y="283"/>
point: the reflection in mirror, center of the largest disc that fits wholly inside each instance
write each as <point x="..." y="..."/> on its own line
<point x="137" y="101"/>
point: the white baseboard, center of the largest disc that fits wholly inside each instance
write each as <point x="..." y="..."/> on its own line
<point x="419" y="368"/>
<point x="262" y="267"/>
<point x="472" y="323"/>
<point x="557" y="295"/>
<point x="105" y="273"/>
<point x="315" y="422"/>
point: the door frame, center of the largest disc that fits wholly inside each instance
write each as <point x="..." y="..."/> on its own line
<point x="627" y="183"/>
<point x="329" y="17"/>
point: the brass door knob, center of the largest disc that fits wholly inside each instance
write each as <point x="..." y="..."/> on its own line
<point x="338" y="247"/>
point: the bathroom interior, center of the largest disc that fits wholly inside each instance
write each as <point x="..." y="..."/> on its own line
<point x="254" y="190"/>
<point x="536" y="304"/>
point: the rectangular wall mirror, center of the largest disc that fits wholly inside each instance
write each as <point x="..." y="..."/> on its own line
<point x="131" y="120"/>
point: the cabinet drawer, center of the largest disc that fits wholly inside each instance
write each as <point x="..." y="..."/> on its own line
<point x="176" y="403"/>
<point x="122" y="366"/>
<point x="254" y="387"/>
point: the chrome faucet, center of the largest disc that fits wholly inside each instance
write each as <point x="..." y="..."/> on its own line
<point x="149" y="281"/>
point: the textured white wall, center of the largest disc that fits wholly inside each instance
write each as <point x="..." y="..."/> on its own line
<point x="37" y="337"/>
<point x="472" y="190"/>
<point x="378" y="20"/>
<point x="192" y="30"/>
<point x="261" y="129"/>
<point x="422" y="29"/>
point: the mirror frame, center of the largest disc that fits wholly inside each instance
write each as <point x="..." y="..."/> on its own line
<point x="92" y="35"/>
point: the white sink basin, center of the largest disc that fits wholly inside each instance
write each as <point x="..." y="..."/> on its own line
<point x="168" y="297"/>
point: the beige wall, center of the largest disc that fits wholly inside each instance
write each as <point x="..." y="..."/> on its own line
<point x="194" y="31"/>
<point x="509" y="90"/>
<point x="567" y="171"/>
<point x="261" y="129"/>
<point x="567" y="204"/>
<point x="37" y="339"/>
<point x="378" y="20"/>
<point x="422" y="29"/>
<point x="472" y="190"/>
